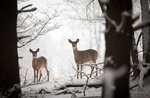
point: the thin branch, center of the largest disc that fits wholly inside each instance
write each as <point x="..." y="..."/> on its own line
<point x="23" y="9"/>
<point x="27" y="29"/>
<point x="25" y="77"/>
<point x="23" y="21"/>
<point x="22" y="37"/>
<point x="92" y="65"/>
<point x="87" y="7"/>
<point x="141" y="25"/>
<point x="139" y="39"/>
<point x="86" y="79"/>
<point x="39" y="33"/>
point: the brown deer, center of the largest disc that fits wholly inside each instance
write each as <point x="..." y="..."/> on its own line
<point x="37" y="64"/>
<point x="82" y="57"/>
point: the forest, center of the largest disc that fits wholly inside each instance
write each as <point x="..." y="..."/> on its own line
<point x="75" y="49"/>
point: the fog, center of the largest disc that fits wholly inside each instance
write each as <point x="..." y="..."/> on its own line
<point x="74" y="23"/>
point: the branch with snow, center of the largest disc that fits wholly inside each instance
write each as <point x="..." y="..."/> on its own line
<point x="40" y="31"/>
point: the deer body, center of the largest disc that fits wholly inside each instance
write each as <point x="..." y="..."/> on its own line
<point x="82" y="57"/>
<point x="37" y="64"/>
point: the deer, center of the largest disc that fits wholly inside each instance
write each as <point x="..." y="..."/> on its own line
<point x="84" y="56"/>
<point x="37" y="64"/>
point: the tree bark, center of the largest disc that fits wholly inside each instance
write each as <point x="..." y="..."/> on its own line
<point x="8" y="46"/>
<point x="118" y="46"/>
<point x="146" y="41"/>
<point x="134" y="56"/>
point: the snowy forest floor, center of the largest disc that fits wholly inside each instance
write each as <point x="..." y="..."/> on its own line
<point x="50" y="89"/>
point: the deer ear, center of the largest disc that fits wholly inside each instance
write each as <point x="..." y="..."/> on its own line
<point x="37" y="50"/>
<point x="30" y="50"/>
<point x="77" y="40"/>
<point x="69" y="41"/>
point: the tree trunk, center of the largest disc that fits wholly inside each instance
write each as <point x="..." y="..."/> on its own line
<point x="9" y="68"/>
<point x="146" y="41"/>
<point x="118" y="45"/>
<point x="134" y="56"/>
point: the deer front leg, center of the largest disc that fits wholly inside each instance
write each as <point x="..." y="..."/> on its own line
<point x="34" y="75"/>
<point x="37" y="75"/>
<point x="77" y="70"/>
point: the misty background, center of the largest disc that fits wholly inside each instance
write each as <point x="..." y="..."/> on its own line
<point x="75" y="19"/>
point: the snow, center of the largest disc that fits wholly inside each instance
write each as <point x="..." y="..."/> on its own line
<point x="32" y="90"/>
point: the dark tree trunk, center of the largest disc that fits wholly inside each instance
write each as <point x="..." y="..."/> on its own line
<point x="118" y="46"/>
<point x="145" y="30"/>
<point x="9" y="68"/>
<point x="146" y="41"/>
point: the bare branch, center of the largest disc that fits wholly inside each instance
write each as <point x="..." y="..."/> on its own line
<point x="139" y="39"/>
<point x="23" y="21"/>
<point x="135" y="18"/>
<point x="23" y="9"/>
<point x="22" y="37"/>
<point x="141" y="25"/>
<point x="40" y="31"/>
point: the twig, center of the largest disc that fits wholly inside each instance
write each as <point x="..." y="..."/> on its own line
<point x="39" y="33"/>
<point x="25" y="77"/>
<point x="22" y="37"/>
<point x="86" y="80"/>
<point x="139" y="39"/>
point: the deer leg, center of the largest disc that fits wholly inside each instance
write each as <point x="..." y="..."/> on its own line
<point x="77" y="70"/>
<point x="37" y="75"/>
<point x="40" y="75"/>
<point x="81" y="72"/>
<point x="96" y="71"/>
<point x="34" y="75"/>
<point x="92" y="68"/>
<point x="47" y="75"/>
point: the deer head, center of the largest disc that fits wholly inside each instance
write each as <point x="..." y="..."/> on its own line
<point x="34" y="53"/>
<point x="74" y="43"/>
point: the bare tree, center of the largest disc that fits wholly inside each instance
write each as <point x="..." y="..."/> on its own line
<point x="144" y="67"/>
<point x="8" y="46"/>
<point x="118" y="37"/>
<point x="32" y="27"/>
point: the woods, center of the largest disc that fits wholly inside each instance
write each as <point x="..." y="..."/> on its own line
<point x="110" y="36"/>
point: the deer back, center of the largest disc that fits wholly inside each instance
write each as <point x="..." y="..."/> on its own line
<point x="39" y="62"/>
<point x="86" y="56"/>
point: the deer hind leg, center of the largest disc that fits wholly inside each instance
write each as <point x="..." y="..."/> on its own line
<point x="96" y="71"/>
<point x="40" y="75"/>
<point x="77" y="70"/>
<point x="47" y="74"/>
<point x="81" y="72"/>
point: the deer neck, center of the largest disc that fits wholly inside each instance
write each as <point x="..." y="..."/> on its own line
<point x="75" y="51"/>
<point x="35" y="58"/>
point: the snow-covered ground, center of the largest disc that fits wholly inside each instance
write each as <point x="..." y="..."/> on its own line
<point x="50" y="89"/>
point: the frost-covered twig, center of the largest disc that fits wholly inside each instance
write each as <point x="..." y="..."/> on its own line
<point x="86" y="79"/>
<point x="25" y="77"/>
<point x="73" y="93"/>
